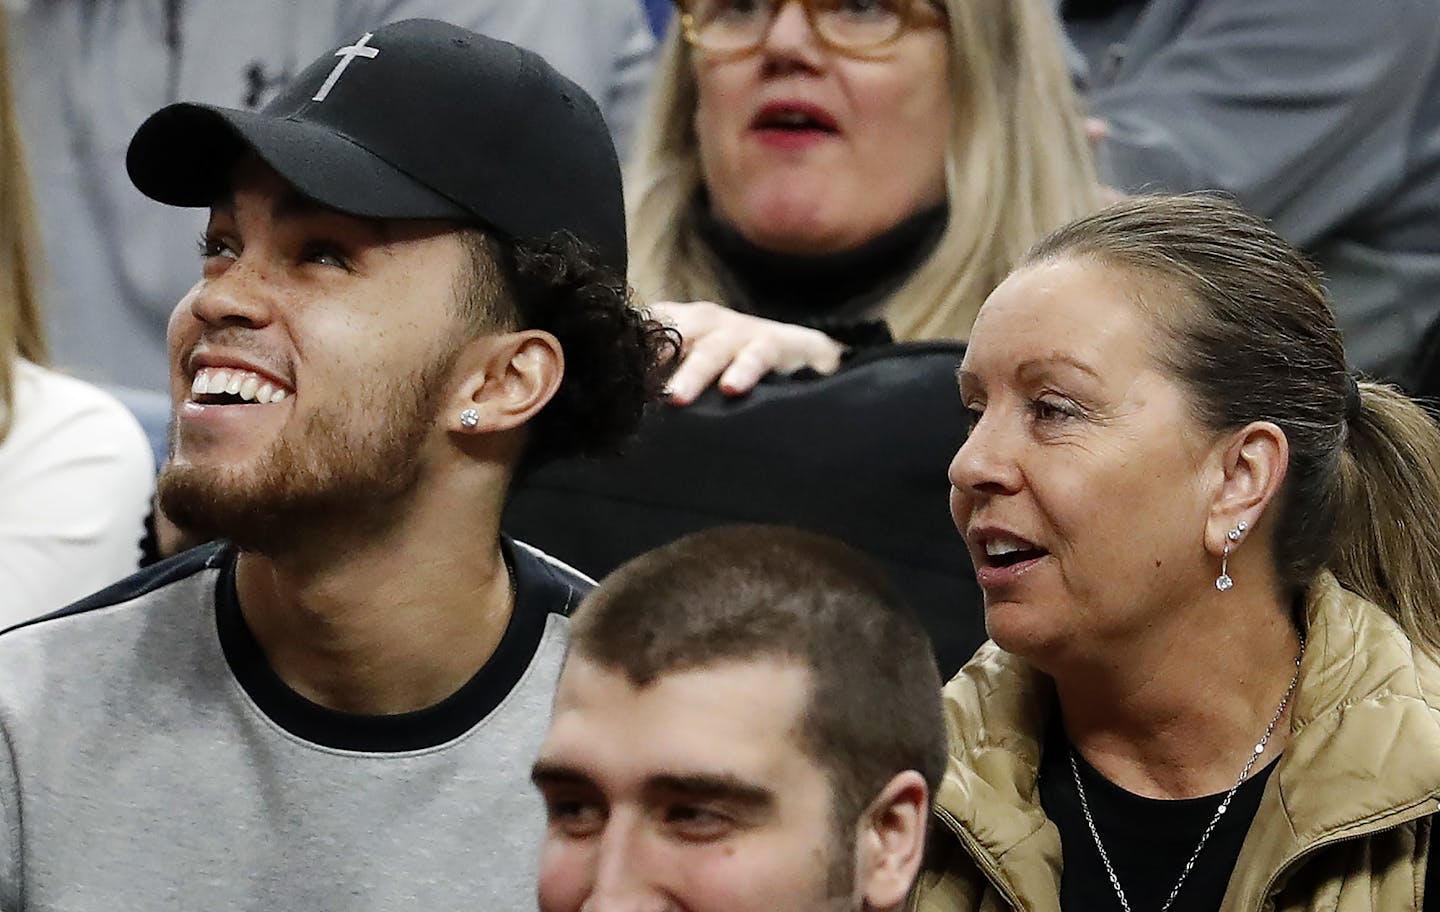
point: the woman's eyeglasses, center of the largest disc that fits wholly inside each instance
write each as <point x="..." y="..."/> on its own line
<point x="848" y="26"/>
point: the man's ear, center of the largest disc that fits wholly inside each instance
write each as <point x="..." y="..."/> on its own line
<point x="890" y="841"/>
<point x="1253" y="465"/>
<point x="508" y="379"/>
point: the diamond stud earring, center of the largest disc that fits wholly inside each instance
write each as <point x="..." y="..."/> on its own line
<point x="1223" y="582"/>
<point x="470" y="418"/>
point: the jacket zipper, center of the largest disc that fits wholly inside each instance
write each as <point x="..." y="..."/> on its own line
<point x="1399" y="818"/>
<point x="981" y="857"/>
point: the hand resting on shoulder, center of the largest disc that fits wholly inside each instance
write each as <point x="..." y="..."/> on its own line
<point x="737" y="350"/>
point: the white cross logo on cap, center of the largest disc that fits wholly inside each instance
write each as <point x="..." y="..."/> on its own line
<point x="347" y="54"/>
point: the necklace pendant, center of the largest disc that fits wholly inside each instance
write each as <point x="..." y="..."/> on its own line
<point x="1223" y="582"/>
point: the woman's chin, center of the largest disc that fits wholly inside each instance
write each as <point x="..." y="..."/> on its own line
<point x="797" y="234"/>
<point x="802" y="224"/>
<point x="1020" y="629"/>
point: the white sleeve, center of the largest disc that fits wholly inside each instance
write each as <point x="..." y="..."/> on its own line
<point x="76" y="478"/>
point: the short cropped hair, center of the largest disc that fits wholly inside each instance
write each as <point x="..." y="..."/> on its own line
<point x="744" y="593"/>
<point x="617" y="359"/>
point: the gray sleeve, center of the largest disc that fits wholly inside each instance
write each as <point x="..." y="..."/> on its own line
<point x="1301" y="108"/>
<point x="12" y="871"/>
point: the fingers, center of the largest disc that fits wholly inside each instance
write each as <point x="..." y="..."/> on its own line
<point x="708" y="356"/>
<point x="751" y="363"/>
<point x="693" y="319"/>
<point x="738" y="350"/>
<point x="825" y="355"/>
<point x="786" y="350"/>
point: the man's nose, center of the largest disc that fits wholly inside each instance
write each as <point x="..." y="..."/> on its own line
<point x="241" y="295"/>
<point x="627" y="873"/>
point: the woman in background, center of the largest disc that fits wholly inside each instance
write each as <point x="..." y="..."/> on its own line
<point x="76" y="473"/>
<point x="826" y="174"/>
<point x="815" y="173"/>
<point x="1211" y="570"/>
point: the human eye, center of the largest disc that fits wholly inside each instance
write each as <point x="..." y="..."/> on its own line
<point x="212" y="244"/>
<point x="698" y="823"/>
<point x="326" y="253"/>
<point x="1054" y="409"/>
<point x="574" y="816"/>
<point x="729" y="10"/>
<point x="863" y="9"/>
<point x="971" y="413"/>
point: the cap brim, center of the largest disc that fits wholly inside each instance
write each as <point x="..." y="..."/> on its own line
<point x="182" y="155"/>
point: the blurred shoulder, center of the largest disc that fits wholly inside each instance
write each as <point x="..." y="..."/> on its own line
<point x="47" y="398"/>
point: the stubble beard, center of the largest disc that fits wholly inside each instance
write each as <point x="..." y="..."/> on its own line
<point x="336" y="476"/>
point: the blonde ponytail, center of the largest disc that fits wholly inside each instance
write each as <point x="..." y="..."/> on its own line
<point x="1387" y="535"/>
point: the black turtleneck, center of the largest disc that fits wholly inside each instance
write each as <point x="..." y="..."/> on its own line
<point x="841" y="293"/>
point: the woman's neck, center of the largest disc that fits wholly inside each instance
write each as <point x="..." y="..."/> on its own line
<point x="1181" y="715"/>
<point x="844" y="285"/>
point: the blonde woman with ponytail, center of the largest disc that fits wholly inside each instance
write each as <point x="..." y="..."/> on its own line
<point x="1211" y="565"/>
<point x="75" y="468"/>
<point x="812" y="166"/>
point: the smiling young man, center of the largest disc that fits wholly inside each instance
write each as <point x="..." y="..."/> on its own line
<point x="748" y="720"/>
<point x="412" y="288"/>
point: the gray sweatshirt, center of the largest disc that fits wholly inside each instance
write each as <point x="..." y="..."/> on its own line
<point x="152" y="760"/>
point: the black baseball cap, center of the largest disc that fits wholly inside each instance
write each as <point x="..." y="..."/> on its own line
<point x="418" y="119"/>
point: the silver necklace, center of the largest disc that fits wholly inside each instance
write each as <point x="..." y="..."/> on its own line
<point x="1219" y="812"/>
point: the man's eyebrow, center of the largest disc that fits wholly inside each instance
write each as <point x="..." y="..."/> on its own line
<point x="224" y="204"/>
<point x="545" y="773"/>
<point x="712" y="787"/>
<point x="292" y="205"/>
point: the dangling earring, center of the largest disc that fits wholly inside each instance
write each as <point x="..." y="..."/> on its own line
<point x="1223" y="582"/>
<point x="470" y="418"/>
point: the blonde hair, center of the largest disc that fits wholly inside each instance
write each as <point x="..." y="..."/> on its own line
<point x="21" y="332"/>
<point x="1018" y="166"/>
<point x="1252" y="337"/>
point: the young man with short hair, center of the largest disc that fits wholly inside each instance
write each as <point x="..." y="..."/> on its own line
<point x="748" y="720"/>
<point x="412" y="287"/>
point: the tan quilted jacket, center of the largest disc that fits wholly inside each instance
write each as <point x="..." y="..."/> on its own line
<point x="1344" y="824"/>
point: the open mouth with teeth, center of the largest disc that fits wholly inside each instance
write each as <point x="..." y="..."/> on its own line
<point x="232" y="386"/>
<point x="1001" y="552"/>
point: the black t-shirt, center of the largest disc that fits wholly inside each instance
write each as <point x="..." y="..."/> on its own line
<point x="1149" y="840"/>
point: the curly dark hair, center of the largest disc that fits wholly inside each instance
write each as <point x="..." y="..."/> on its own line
<point x="617" y="359"/>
